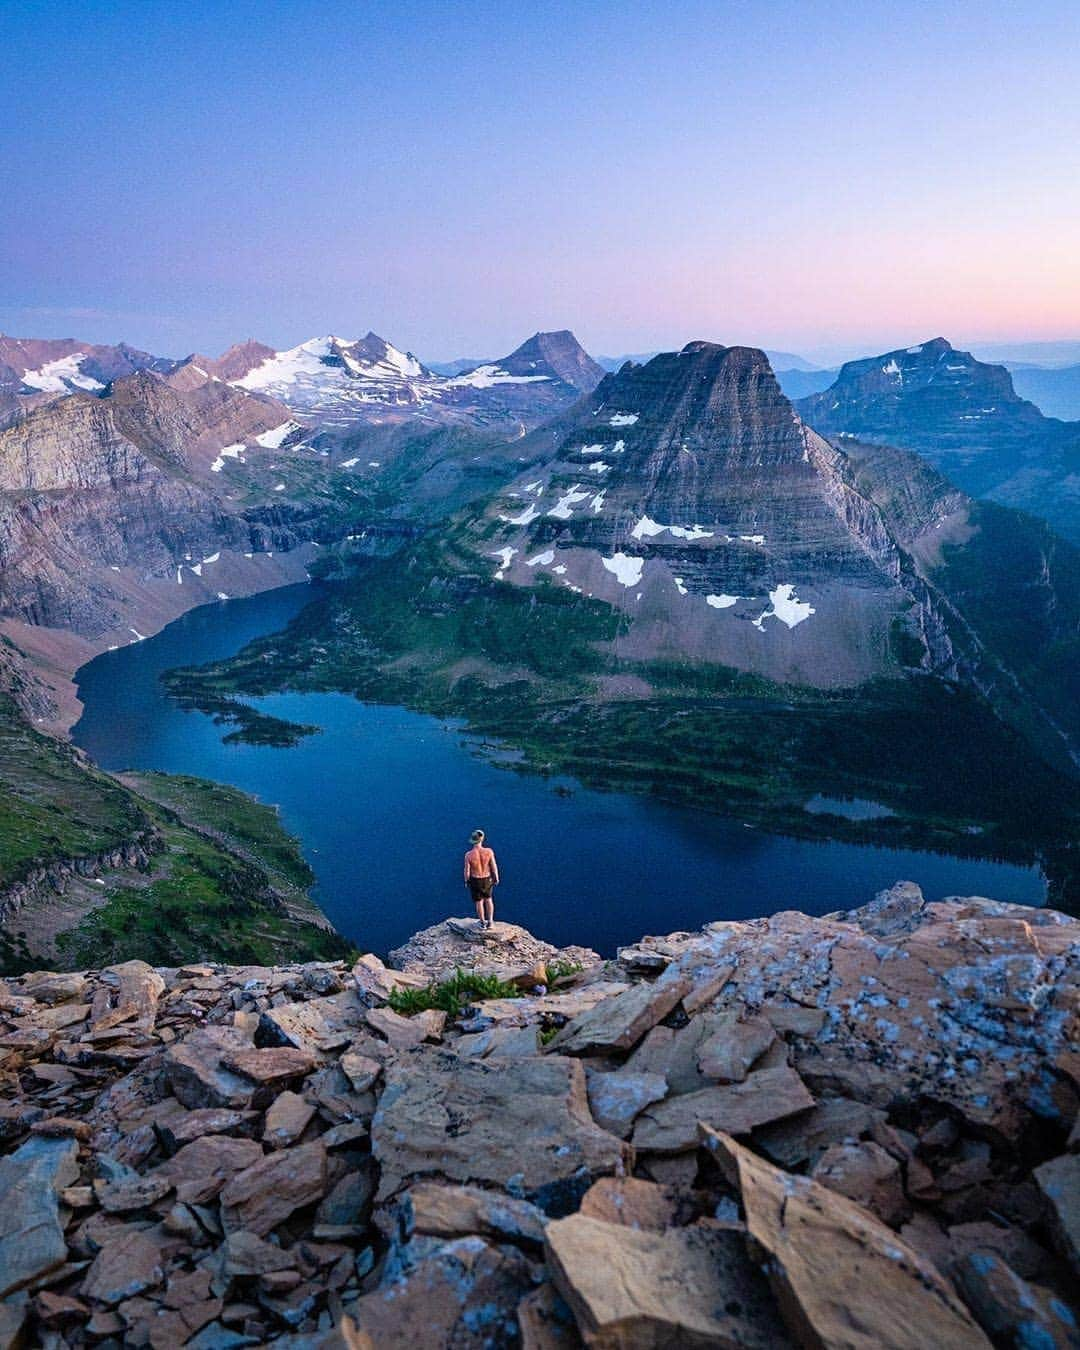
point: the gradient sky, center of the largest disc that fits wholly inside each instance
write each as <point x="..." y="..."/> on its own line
<point x="829" y="178"/>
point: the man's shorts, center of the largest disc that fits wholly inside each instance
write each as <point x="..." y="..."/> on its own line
<point x="481" y="888"/>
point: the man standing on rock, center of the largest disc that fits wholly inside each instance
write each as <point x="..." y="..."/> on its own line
<point x="481" y="877"/>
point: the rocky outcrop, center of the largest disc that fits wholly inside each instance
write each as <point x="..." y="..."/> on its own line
<point x="222" y="1155"/>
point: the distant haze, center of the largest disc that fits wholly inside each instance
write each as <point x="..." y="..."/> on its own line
<point x="827" y="180"/>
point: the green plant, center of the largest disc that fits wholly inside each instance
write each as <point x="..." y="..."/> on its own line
<point x="562" y="970"/>
<point x="451" y="996"/>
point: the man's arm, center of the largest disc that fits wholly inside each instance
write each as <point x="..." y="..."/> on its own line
<point x="494" y="868"/>
<point x="466" y="869"/>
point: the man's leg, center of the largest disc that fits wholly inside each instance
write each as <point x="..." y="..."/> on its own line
<point x="489" y="910"/>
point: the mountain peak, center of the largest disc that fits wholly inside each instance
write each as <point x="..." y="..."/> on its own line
<point x="558" y="355"/>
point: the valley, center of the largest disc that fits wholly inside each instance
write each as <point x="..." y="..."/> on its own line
<point x="658" y="581"/>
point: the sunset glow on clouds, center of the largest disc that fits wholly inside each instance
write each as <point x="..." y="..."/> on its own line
<point x="800" y="175"/>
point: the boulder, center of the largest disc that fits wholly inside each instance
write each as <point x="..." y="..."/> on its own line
<point x="633" y="1203"/>
<point x="618" y="1023"/>
<point x="320" y="1026"/>
<point x="617" y="1099"/>
<point x="403" y="1033"/>
<point x="463" y="1293"/>
<point x="265" y="1194"/>
<point x="865" y="1173"/>
<point x="644" y="1290"/>
<point x="803" y="1138"/>
<point x="128" y="992"/>
<point x="31" y="1234"/>
<point x="195" y="1069"/>
<point x="456" y="1211"/>
<point x="1059" y="1182"/>
<point x="130" y="1262"/>
<point x="671" y="1126"/>
<point x="201" y="1169"/>
<point x="841" y="1278"/>
<point x="376" y="982"/>
<point x="733" y="1046"/>
<point x="271" y="1067"/>
<point x="1011" y="1311"/>
<point x="521" y="1124"/>
<point x="246" y="1254"/>
<point x="287" y="1119"/>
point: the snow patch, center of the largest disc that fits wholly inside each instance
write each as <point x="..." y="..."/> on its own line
<point x="680" y="586"/>
<point x="597" y="503"/>
<point x="622" y="419"/>
<point x="758" y="539"/>
<point x="526" y="517"/>
<point x="350" y="463"/>
<point x="272" y="439"/>
<point x="625" y="567"/>
<point x="504" y="555"/>
<point x="564" y="507"/>
<point x="597" y="449"/>
<point x="57" y="377"/>
<point x="785" y="606"/>
<point x="544" y="559"/>
<point x="599" y="467"/>
<point x="721" y="601"/>
<point x="229" y="452"/>
<point x="483" y="377"/>
<point x="213" y="558"/>
<point x="279" y="487"/>
<point x="647" y="528"/>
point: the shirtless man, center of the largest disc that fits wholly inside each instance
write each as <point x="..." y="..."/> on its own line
<point x="481" y="877"/>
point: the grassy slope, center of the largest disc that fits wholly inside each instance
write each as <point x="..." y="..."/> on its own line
<point x="226" y="881"/>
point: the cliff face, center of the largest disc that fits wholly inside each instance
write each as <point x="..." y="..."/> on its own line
<point x="756" y="1135"/>
<point x="109" y="504"/>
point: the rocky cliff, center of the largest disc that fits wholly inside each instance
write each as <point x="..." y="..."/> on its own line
<point x="850" y="1131"/>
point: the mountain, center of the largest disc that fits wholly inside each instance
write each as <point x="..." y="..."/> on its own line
<point x="966" y="417"/>
<point x="115" y="515"/>
<point x="1045" y="354"/>
<point x="63" y="365"/>
<point x="1055" y="391"/>
<point x="460" y="365"/>
<point x="798" y="384"/>
<point x="556" y="357"/>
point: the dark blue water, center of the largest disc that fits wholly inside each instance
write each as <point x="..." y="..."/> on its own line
<point x="384" y="800"/>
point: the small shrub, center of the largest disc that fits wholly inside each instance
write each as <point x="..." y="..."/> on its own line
<point x="451" y="996"/>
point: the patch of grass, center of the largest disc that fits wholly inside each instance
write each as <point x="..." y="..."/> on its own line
<point x="562" y="970"/>
<point x="452" y="996"/>
<point x="54" y="806"/>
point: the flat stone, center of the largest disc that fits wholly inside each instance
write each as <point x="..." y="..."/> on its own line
<point x="840" y="1277"/>
<point x="196" y="1072"/>
<point x="403" y="1033"/>
<point x="618" y="1023"/>
<point x="376" y="982"/>
<point x="265" y="1194"/>
<point x="671" y="1126"/>
<point x="321" y="1026"/>
<point x="286" y="1120"/>
<point x="361" y="1070"/>
<point x="634" y="1203"/>
<point x="1011" y="1311"/>
<point x="455" y="1211"/>
<point x="617" y="1099"/>
<point x="733" y="1047"/>
<point x="462" y="1293"/>
<point x="270" y="1067"/>
<point x="120" y="1197"/>
<point x="791" y="1019"/>
<point x="706" y="987"/>
<point x="202" y="1168"/>
<point x="865" y="1173"/>
<point x="643" y="1290"/>
<point x="126" y="1265"/>
<point x="521" y="1124"/>
<point x="1059" y="1181"/>
<point x="349" y="1200"/>
<point x="51" y="986"/>
<point x="805" y="1137"/>
<point x="245" y="1254"/>
<point x="180" y="1129"/>
<point x="127" y="992"/>
<point x="31" y="1236"/>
